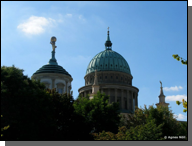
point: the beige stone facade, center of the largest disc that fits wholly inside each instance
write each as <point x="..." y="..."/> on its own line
<point x="117" y="85"/>
<point x="61" y="82"/>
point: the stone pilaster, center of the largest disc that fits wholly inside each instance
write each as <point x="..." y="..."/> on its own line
<point x="132" y="101"/>
<point x="53" y="83"/>
<point x="66" y="87"/>
<point x="128" y="99"/>
<point x="122" y="105"/>
<point x="63" y="88"/>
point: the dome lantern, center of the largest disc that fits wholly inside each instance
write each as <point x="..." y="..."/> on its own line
<point x="108" y="43"/>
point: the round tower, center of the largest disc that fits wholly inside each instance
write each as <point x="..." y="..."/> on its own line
<point x="54" y="75"/>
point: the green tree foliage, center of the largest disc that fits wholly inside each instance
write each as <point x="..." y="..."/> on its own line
<point x="183" y="61"/>
<point x="148" y="131"/>
<point x="98" y="113"/>
<point x="4" y="128"/>
<point x="162" y="115"/>
<point x="70" y="125"/>
<point x="184" y="105"/>
<point x="25" y="106"/>
<point x="36" y="113"/>
<point x="147" y="124"/>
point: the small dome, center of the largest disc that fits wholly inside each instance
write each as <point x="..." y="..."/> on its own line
<point x="108" y="60"/>
<point x="49" y="68"/>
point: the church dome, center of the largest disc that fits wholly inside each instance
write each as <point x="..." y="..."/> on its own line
<point x="108" y="60"/>
<point x="49" y="68"/>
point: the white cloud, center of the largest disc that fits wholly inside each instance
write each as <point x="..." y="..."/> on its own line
<point x="172" y="88"/>
<point x="176" y="97"/>
<point x="70" y="19"/>
<point x="82" y="18"/>
<point x="35" y="25"/>
<point x="180" y="116"/>
<point x="68" y="15"/>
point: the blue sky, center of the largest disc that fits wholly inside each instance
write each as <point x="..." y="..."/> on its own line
<point x="146" y="34"/>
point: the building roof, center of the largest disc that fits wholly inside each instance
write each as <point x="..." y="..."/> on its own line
<point x="108" y="60"/>
<point x="49" y="68"/>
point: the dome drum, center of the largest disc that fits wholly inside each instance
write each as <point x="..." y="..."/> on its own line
<point x="109" y="77"/>
<point x="127" y="96"/>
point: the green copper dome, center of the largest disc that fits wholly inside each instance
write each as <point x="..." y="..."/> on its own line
<point x="49" y="68"/>
<point x="52" y="66"/>
<point x="108" y="60"/>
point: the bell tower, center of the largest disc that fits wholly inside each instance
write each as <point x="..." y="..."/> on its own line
<point x="162" y="97"/>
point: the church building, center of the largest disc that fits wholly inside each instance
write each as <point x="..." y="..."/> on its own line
<point x="110" y="73"/>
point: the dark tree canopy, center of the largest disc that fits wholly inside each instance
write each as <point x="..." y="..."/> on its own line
<point x="98" y="113"/>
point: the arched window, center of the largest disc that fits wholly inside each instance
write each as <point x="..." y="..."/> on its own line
<point x="60" y="90"/>
<point x="60" y="87"/>
<point x="118" y="100"/>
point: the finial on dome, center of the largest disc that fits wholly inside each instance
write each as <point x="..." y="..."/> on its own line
<point x="161" y="91"/>
<point x="160" y="83"/>
<point x="108" y="43"/>
<point x="53" y="40"/>
<point x="53" y="61"/>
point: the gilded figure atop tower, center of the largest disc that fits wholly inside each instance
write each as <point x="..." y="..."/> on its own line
<point x="53" y="40"/>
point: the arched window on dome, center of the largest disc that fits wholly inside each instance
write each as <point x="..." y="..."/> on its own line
<point x="118" y="100"/>
<point x="60" y="91"/>
<point x="60" y="88"/>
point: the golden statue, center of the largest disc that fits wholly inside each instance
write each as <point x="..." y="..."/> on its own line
<point x="53" y="40"/>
